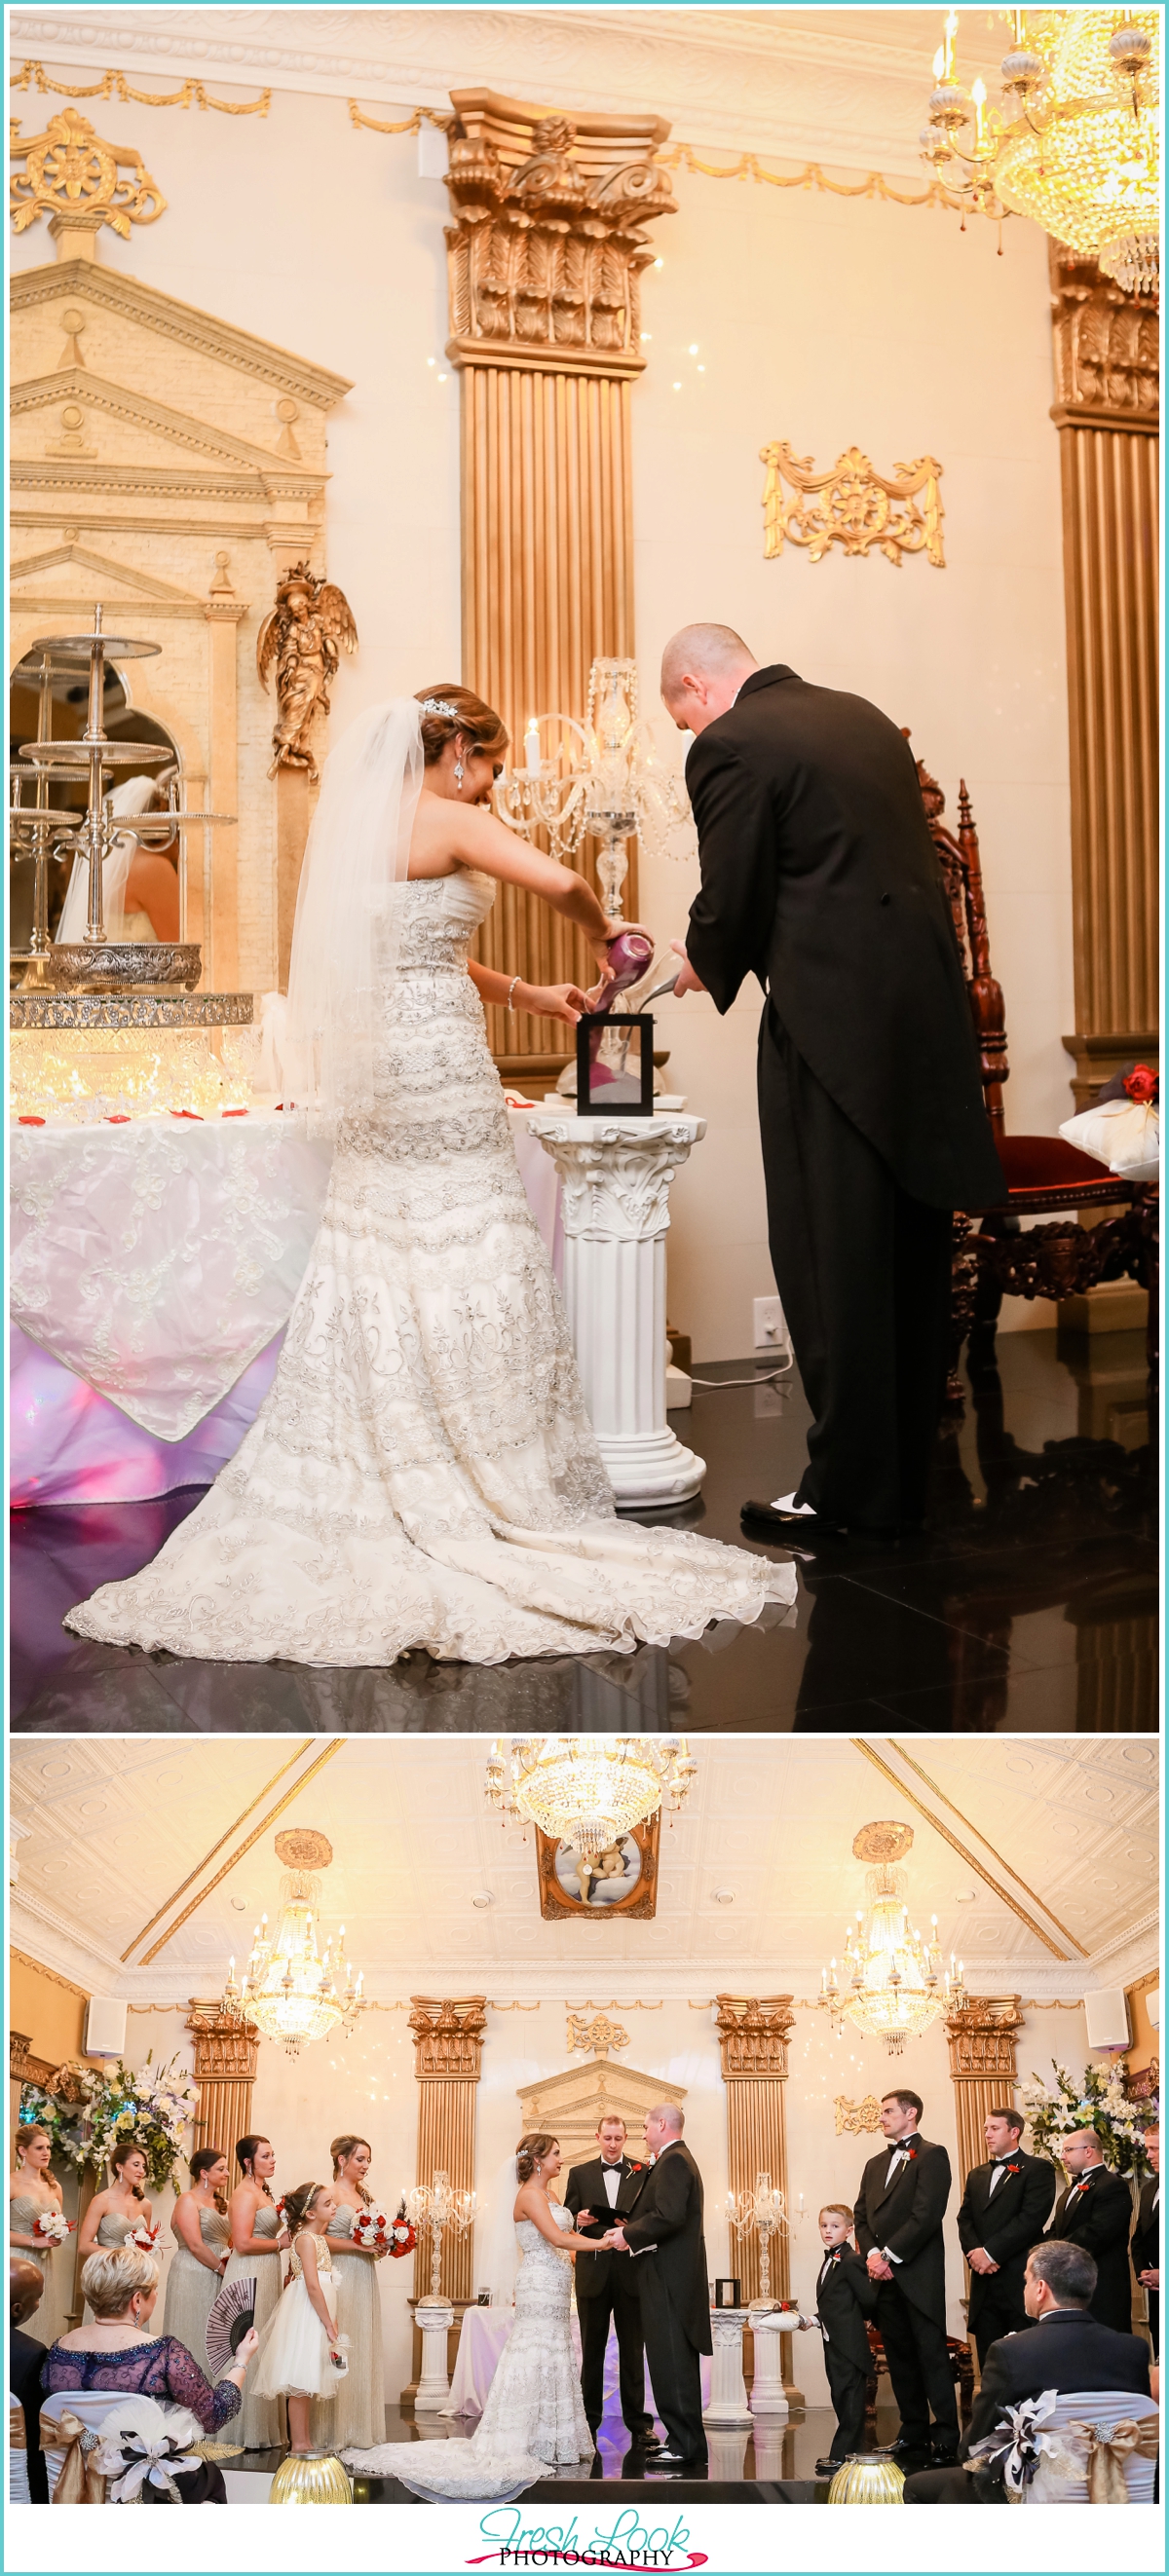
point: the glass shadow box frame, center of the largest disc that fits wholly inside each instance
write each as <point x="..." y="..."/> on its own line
<point x="616" y="1079"/>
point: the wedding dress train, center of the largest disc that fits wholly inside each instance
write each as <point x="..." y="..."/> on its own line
<point x="534" y="2421"/>
<point x="423" y="1472"/>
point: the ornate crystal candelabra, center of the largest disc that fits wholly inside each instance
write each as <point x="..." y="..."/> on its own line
<point x="762" y="2213"/>
<point x="602" y="777"/>
<point x="438" y="2206"/>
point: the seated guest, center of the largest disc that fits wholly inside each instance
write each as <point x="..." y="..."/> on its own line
<point x="25" y="2361"/>
<point x="1146" y="2238"/>
<point x="1096" y="2212"/>
<point x="845" y="2296"/>
<point x="1005" y="2208"/>
<point x="115" y="2350"/>
<point x="1064" y="2349"/>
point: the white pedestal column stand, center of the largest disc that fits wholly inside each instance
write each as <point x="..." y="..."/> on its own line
<point x="767" y="2397"/>
<point x="615" y="1176"/>
<point x="728" y="2392"/>
<point x="435" y="2317"/>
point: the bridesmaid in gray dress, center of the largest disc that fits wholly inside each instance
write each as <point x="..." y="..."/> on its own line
<point x="357" y="2414"/>
<point x="32" y="2192"/>
<point x="114" y="2213"/>
<point x="258" y="2246"/>
<point x="199" y="2225"/>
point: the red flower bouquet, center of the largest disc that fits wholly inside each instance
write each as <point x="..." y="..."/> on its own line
<point x="143" y="2236"/>
<point x="53" y="2227"/>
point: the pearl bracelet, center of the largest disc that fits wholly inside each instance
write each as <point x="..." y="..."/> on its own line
<point x="508" y="1005"/>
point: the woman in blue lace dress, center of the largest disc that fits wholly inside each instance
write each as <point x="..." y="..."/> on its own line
<point x="116" y="2351"/>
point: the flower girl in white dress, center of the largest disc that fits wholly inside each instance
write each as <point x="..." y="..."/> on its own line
<point x="300" y="2356"/>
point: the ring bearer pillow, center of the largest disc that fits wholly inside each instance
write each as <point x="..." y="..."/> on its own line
<point x="1123" y="1126"/>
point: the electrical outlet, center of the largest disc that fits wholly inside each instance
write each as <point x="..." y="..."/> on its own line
<point x="770" y="1331"/>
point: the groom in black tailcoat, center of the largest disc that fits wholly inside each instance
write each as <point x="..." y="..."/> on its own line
<point x="819" y="877"/>
<point x="899" y="2212"/>
<point x="664" y="2240"/>
<point x="606" y="2286"/>
<point x="1005" y="2208"/>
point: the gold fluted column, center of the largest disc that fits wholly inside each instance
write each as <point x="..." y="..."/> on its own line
<point x="448" y="2052"/>
<point x="984" y="2072"/>
<point x="753" y="2041"/>
<point x="224" y="613"/>
<point x="546" y="247"/>
<point x="226" y="2057"/>
<point x="1107" y="369"/>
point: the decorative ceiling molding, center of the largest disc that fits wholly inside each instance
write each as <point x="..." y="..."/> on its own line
<point x="164" y="315"/>
<point x="839" y="86"/>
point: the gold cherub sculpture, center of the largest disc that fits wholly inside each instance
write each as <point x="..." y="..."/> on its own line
<point x="301" y="635"/>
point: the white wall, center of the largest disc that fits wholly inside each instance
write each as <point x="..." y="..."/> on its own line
<point x="823" y="321"/>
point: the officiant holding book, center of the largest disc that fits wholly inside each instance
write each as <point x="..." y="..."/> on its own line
<point x="607" y="2288"/>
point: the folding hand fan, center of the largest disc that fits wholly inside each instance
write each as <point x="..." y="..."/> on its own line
<point x="233" y="2311"/>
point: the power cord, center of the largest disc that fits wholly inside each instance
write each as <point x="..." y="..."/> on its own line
<point x="764" y="1377"/>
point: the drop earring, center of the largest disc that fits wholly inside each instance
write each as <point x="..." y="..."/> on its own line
<point x="459" y="770"/>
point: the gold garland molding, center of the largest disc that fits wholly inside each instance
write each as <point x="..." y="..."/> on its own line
<point x="682" y="156"/>
<point x="114" y="84"/>
<point x="851" y="505"/>
<point x="52" y="1974"/>
<point x="412" y="124"/>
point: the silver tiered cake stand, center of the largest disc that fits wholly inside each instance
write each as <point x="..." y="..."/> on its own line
<point x="96" y="983"/>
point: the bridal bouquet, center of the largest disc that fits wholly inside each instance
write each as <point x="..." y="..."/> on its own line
<point x="54" y="2227"/>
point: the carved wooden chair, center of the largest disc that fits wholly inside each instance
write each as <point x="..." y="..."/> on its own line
<point x="1043" y="1173"/>
<point x="959" y="2356"/>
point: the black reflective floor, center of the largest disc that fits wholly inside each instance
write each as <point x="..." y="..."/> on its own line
<point x="1029" y="1604"/>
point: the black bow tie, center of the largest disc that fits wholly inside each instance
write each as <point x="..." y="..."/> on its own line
<point x="1002" y="2160"/>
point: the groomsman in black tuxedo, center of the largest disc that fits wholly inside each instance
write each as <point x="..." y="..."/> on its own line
<point x="607" y="2287"/>
<point x="899" y="2213"/>
<point x="1096" y="2212"/>
<point x="1005" y="2208"/>
<point x="1146" y="2238"/>
<point x="665" y="2235"/>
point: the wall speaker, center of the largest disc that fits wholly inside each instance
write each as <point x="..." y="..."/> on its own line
<point x="105" y="2026"/>
<point x="1106" y="2015"/>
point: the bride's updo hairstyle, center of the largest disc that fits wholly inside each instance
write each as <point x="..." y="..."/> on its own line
<point x="298" y="2204"/>
<point x="340" y="2151"/>
<point x="531" y="2151"/>
<point x="478" y="723"/>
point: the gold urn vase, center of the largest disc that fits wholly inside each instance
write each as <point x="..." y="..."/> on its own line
<point x="869" y="2478"/>
<point x="311" y="2477"/>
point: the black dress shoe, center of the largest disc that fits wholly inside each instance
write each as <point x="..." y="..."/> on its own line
<point x="666" y="2459"/>
<point x="828" y="2468"/>
<point x="783" y="1525"/>
<point x="944" y="2456"/>
<point x="646" y="2442"/>
<point x="902" y="2451"/>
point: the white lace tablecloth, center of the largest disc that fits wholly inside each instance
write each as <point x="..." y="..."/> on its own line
<point x="482" y="2336"/>
<point x="153" y="1270"/>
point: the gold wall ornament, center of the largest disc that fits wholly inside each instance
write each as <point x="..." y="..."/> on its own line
<point x="857" y="2119"/>
<point x="304" y="635"/>
<point x="548" y="243"/>
<point x="411" y="124"/>
<point x="72" y="175"/>
<point x="599" y="2035"/>
<point x="114" y="84"/>
<point x="851" y="505"/>
<point x="753" y="2036"/>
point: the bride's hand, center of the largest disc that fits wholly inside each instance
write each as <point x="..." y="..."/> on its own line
<point x="555" y="1001"/>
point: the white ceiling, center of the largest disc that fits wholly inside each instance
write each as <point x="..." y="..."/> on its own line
<point x="113" y="1826"/>
<point x="846" y="87"/>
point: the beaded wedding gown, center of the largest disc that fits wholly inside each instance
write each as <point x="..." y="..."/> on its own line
<point x="534" y="2420"/>
<point x="423" y="1472"/>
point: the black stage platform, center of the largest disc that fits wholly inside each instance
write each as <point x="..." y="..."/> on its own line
<point x="1028" y="1605"/>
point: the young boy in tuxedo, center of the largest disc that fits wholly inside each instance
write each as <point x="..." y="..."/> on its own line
<point x="844" y="2297"/>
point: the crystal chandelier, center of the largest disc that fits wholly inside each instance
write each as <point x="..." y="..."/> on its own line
<point x="292" y="1991"/>
<point x="603" y="777"/>
<point x="1076" y="144"/>
<point x="588" y="1790"/>
<point x="892" y="1985"/>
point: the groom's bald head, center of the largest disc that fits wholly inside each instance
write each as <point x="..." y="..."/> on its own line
<point x="703" y="670"/>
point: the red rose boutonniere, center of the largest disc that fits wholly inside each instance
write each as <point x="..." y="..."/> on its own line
<point x="1014" y="2168"/>
<point x="911" y="2152"/>
<point x="636" y="2169"/>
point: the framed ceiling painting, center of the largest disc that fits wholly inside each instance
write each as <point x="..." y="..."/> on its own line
<point x="622" y="1880"/>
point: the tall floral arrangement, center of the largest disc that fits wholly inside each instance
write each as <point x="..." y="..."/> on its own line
<point x="1098" y="2102"/>
<point x="88" y="2109"/>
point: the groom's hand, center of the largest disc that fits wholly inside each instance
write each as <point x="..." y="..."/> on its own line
<point x="614" y="2242"/>
<point x="688" y="981"/>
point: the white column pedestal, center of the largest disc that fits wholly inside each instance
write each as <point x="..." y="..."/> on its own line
<point x="767" y="2397"/>
<point x="615" y="1176"/>
<point x="434" y="2386"/>
<point x="728" y="2394"/>
<point x="768" y="2447"/>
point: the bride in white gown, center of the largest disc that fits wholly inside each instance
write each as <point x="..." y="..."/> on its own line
<point x="534" y="2421"/>
<point x="422" y="1472"/>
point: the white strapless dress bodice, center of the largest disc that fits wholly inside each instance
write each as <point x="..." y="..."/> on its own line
<point x="534" y="2421"/>
<point x="423" y="1472"/>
